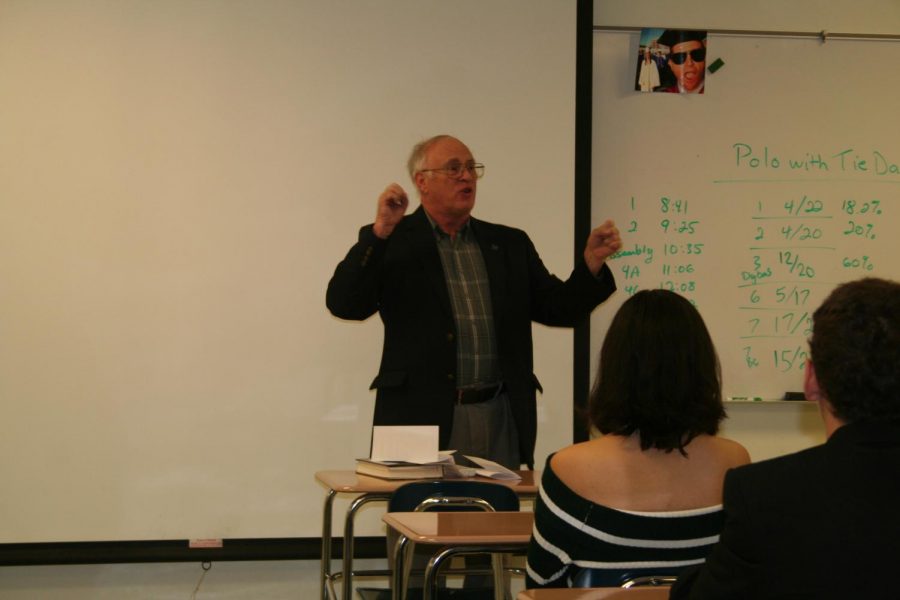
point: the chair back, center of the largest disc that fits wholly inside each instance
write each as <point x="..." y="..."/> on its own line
<point x="453" y="495"/>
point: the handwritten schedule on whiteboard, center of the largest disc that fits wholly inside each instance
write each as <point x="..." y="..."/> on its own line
<point x="753" y="206"/>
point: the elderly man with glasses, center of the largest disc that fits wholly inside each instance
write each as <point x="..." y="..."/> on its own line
<point x="457" y="297"/>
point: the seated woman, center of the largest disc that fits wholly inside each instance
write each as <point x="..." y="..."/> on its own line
<point x="647" y="494"/>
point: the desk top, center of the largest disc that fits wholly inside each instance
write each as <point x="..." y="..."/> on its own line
<point x="352" y="482"/>
<point x="456" y="528"/>
<point x="612" y="593"/>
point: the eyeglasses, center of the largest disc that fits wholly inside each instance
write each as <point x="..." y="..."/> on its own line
<point x="455" y="170"/>
<point x="697" y="55"/>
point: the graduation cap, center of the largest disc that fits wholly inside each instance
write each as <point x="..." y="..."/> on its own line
<point x="670" y="37"/>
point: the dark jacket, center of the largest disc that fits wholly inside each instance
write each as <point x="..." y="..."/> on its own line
<point x="821" y="523"/>
<point x="402" y="279"/>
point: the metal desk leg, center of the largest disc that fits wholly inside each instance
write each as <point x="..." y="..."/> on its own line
<point x="497" y="561"/>
<point x="397" y="579"/>
<point x="347" y="583"/>
<point x="325" y="568"/>
<point x="431" y="571"/>
<point x="429" y="588"/>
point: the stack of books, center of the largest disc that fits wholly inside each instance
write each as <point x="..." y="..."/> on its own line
<point x="398" y="469"/>
<point x="451" y="465"/>
<point x="410" y="452"/>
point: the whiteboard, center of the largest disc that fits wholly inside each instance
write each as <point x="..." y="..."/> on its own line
<point x="178" y="181"/>
<point x="754" y="199"/>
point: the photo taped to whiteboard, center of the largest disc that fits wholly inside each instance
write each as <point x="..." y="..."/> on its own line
<point x="671" y="61"/>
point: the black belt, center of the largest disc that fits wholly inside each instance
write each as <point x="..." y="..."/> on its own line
<point x="476" y="395"/>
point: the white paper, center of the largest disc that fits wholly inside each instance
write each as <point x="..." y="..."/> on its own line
<point x="408" y="443"/>
<point x="453" y="470"/>
<point x="492" y="470"/>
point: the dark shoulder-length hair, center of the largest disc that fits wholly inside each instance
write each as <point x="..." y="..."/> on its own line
<point x="658" y="374"/>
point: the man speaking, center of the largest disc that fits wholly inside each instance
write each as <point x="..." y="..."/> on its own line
<point x="457" y="296"/>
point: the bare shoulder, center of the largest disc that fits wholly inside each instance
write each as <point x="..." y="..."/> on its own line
<point x="577" y="460"/>
<point x="732" y="453"/>
<point x="571" y="457"/>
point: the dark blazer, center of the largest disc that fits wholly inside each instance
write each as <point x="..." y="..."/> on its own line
<point x="821" y="523"/>
<point x="402" y="279"/>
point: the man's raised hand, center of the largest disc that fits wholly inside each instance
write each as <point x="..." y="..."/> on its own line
<point x="603" y="242"/>
<point x="392" y="205"/>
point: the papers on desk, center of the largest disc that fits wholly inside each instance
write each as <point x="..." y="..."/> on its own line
<point x="405" y="443"/>
<point x="451" y="466"/>
<point x="403" y="452"/>
<point x="470" y="466"/>
<point x="411" y="452"/>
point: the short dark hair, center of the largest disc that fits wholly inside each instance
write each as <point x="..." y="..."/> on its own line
<point x="658" y="374"/>
<point x="855" y="349"/>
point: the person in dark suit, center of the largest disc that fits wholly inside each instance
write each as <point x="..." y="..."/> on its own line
<point x="457" y="297"/>
<point x="824" y="522"/>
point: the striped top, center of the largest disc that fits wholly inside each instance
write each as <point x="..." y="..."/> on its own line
<point x="571" y="531"/>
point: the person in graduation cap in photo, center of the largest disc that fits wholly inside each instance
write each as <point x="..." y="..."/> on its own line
<point x="686" y="60"/>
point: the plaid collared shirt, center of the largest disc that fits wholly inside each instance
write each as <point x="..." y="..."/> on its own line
<point x="470" y="297"/>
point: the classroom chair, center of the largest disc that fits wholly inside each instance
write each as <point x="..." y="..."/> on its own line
<point x="448" y="495"/>
<point x="590" y="578"/>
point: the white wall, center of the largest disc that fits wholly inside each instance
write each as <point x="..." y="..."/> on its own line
<point x="865" y="16"/>
<point x="177" y="182"/>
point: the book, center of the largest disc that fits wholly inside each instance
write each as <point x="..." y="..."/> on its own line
<point x="398" y="469"/>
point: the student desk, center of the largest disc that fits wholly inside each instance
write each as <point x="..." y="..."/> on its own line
<point x="372" y="489"/>
<point x="456" y="533"/>
<point x="611" y="593"/>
